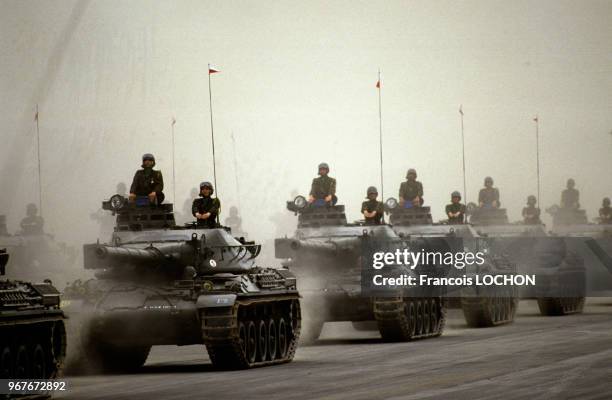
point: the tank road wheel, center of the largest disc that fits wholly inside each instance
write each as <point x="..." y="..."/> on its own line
<point x="262" y="340"/>
<point x="57" y="355"/>
<point x="22" y="363"/>
<point x="426" y="317"/>
<point x="39" y="364"/>
<point x="250" y="334"/>
<point x="402" y="319"/>
<point x="489" y="310"/>
<point x="282" y="338"/>
<point x="272" y="339"/>
<point x="6" y="363"/>
<point x="242" y="337"/>
<point x="251" y="342"/>
<point x="554" y="306"/>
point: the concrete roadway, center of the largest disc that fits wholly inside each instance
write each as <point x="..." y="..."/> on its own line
<point x="534" y="358"/>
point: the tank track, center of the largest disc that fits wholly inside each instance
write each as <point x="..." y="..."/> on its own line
<point x="403" y="318"/>
<point x="487" y="311"/>
<point x="32" y="350"/>
<point x="238" y="337"/>
<point x="553" y="306"/>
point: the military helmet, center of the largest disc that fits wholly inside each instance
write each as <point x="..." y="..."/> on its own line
<point x="411" y="171"/>
<point x="31" y="209"/>
<point x="148" y="157"/>
<point x="324" y="165"/>
<point x="531" y="199"/>
<point x="372" y="189"/>
<point x="489" y="180"/>
<point x="208" y="185"/>
<point x="571" y="183"/>
<point x="606" y="201"/>
<point x="455" y="194"/>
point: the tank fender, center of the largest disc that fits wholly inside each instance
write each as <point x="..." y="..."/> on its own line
<point x="215" y="300"/>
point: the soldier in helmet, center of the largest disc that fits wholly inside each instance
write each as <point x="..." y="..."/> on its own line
<point x="372" y="209"/>
<point x="33" y="223"/>
<point x="570" y="197"/>
<point x="148" y="182"/>
<point x="531" y="213"/>
<point x="234" y="221"/>
<point x="411" y="191"/>
<point x="455" y="210"/>
<point x="605" y="212"/>
<point x="323" y="189"/>
<point x="206" y="209"/>
<point x="3" y="228"/>
<point x="488" y="197"/>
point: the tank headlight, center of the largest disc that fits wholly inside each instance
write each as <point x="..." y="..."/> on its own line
<point x="391" y="203"/>
<point x="300" y="202"/>
<point x="117" y="202"/>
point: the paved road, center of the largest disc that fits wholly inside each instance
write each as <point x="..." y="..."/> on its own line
<point x="534" y="358"/>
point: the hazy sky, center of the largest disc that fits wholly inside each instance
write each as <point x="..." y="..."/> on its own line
<point x="297" y="87"/>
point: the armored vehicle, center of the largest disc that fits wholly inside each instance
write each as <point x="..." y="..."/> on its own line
<point x="33" y="337"/>
<point x="554" y="260"/>
<point x="327" y="255"/>
<point x="159" y="284"/>
<point x="482" y="306"/>
<point x="36" y="256"/>
<point x="596" y="237"/>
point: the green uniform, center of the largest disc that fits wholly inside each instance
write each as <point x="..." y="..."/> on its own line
<point x="323" y="186"/>
<point x="531" y="215"/>
<point x="32" y="225"/>
<point x="373" y="205"/>
<point x="410" y="189"/>
<point x="147" y="181"/>
<point x="605" y="215"/>
<point x="570" y="198"/>
<point x="205" y="205"/>
<point x="487" y="195"/>
<point x="454" y="208"/>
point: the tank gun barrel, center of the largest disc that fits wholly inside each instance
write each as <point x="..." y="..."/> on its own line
<point x="102" y="256"/>
<point x="287" y="248"/>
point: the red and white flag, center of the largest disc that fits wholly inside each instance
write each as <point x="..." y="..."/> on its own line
<point x="212" y="70"/>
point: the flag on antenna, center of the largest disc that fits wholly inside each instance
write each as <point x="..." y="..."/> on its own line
<point x="461" y="109"/>
<point x="536" y="118"/>
<point x="212" y="70"/>
<point x="36" y="116"/>
<point x="173" y="120"/>
<point x="378" y="84"/>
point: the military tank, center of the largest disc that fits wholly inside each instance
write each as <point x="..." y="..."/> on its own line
<point x="160" y="284"/>
<point x="481" y="306"/>
<point x="555" y="260"/>
<point x="327" y="255"/>
<point x="591" y="239"/>
<point x="32" y="332"/>
<point x="36" y="255"/>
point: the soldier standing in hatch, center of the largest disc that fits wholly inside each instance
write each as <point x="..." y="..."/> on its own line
<point x="206" y="209"/>
<point x="148" y="182"/>
<point x="531" y="213"/>
<point x="323" y="189"/>
<point x="33" y="223"/>
<point x="570" y="197"/>
<point x="455" y="210"/>
<point x="372" y="209"/>
<point x="488" y="197"/>
<point x="411" y="191"/>
<point x="605" y="212"/>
